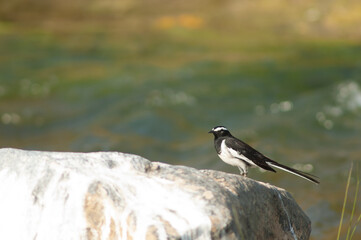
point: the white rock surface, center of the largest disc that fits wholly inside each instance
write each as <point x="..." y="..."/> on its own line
<point x="110" y="195"/>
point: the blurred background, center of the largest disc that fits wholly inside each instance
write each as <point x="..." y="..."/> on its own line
<point x="153" y="77"/>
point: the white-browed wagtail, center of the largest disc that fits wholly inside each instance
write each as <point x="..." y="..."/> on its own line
<point x="239" y="154"/>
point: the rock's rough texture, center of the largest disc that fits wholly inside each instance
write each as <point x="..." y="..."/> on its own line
<point x="110" y="195"/>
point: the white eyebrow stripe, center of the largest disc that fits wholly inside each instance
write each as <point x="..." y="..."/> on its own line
<point x="219" y="129"/>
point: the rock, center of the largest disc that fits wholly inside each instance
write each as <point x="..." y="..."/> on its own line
<point x="111" y="195"/>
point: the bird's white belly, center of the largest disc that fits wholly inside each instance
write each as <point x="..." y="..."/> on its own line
<point x="228" y="158"/>
<point x="232" y="157"/>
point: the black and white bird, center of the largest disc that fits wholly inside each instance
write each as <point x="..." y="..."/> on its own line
<point x="239" y="154"/>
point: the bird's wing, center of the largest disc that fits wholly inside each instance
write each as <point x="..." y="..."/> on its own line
<point x="243" y="151"/>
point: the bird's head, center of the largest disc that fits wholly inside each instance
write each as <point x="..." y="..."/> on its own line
<point x="220" y="131"/>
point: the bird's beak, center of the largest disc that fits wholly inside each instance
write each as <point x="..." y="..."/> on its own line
<point x="210" y="131"/>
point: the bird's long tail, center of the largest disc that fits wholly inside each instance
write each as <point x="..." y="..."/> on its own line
<point x="299" y="173"/>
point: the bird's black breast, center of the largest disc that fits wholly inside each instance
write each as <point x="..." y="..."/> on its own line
<point x="217" y="144"/>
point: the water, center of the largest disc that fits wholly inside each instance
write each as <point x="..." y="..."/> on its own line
<point x="300" y="104"/>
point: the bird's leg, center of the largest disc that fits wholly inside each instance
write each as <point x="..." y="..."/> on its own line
<point x="243" y="172"/>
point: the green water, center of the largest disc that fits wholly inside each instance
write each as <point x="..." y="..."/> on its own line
<point x="299" y="102"/>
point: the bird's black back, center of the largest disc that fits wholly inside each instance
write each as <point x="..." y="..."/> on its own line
<point x="249" y="152"/>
